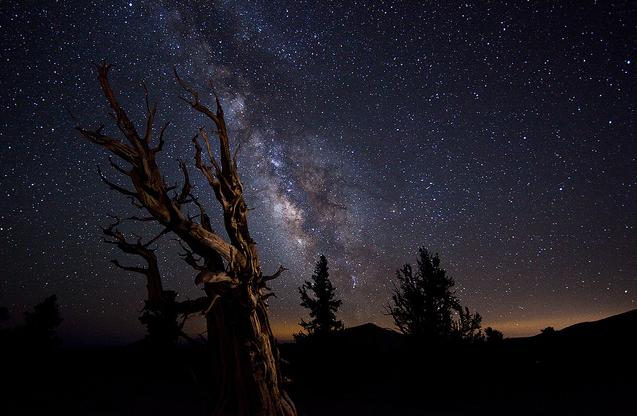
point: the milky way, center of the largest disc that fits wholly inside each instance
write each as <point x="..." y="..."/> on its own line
<point x="500" y="136"/>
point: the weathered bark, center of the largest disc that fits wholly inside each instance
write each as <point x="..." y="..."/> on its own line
<point x="248" y="373"/>
<point x="243" y="349"/>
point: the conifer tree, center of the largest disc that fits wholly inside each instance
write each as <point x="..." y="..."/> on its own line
<point x="321" y="303"/>
<point x="424" y="303"/>
<point x="468" y="326"/>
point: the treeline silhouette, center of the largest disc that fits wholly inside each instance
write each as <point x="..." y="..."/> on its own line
<point x="443" y="362"/>
<point x="424" y="305"/>
<point x="38" y="332"/>
<point x="439" y="362"/>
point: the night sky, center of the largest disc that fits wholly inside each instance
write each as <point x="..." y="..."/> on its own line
<point x="500" y="135"/>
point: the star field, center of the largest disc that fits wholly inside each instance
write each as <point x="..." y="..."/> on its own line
<point x="501" y="135"/>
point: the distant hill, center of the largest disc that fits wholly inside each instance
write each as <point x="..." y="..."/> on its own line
<point x="616" y="327"/>
<point x="370" y="334"/>
<point x="621" y="327"/>
<point x="608" y="341"/>
<point x="367" y="339"/>
<point x="585" y="369"/>
<point x="370" y="329"/>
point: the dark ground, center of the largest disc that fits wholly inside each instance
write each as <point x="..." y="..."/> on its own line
<point x="588" y="369"/>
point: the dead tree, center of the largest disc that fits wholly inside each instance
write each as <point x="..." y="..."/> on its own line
<point x="243" y="348"/>
<point x="163" y="315"/>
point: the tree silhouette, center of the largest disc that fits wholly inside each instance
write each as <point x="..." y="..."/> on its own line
<point x="321" y="303"/>
<point x="549" y="331"/>
<point x="163" y="316"/>
<point x="242" y="346"/>
<point x="493" y="335"/>
<point x="424" y="305"/>
<point x="423" y="301"/>
<point x="162" y="320"/>
<point x="42" y="323"/>
<point x="467" y="325"/>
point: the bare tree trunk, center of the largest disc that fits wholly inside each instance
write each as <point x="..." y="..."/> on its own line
<point x="243" y="349"/>
<point x="247" y="366"/>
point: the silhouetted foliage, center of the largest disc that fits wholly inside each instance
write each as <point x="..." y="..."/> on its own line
<point x="467" y="326"/>
<point x="493" y="335"/>
<point x="42" y="323"/>
<point x="548" y="331"/>
<point x="424" y="304"/>
<point x="161" y="320"/>
<point x="322" y="304"/>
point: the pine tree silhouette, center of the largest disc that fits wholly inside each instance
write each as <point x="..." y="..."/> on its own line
<point x="424" y="303"/>
<point x="322" y="304"/>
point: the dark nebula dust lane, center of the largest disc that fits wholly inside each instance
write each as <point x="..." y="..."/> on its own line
<point x="501" y="136"/>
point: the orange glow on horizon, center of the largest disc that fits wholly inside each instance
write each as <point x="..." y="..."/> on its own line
<point x="530" y="327"/>
<point x="284" y="331"/>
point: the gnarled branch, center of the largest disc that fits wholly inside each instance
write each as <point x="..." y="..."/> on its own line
<point x="274" y="275"/>
<point x="153" y="277"/>
<point x="150" y="189"/>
